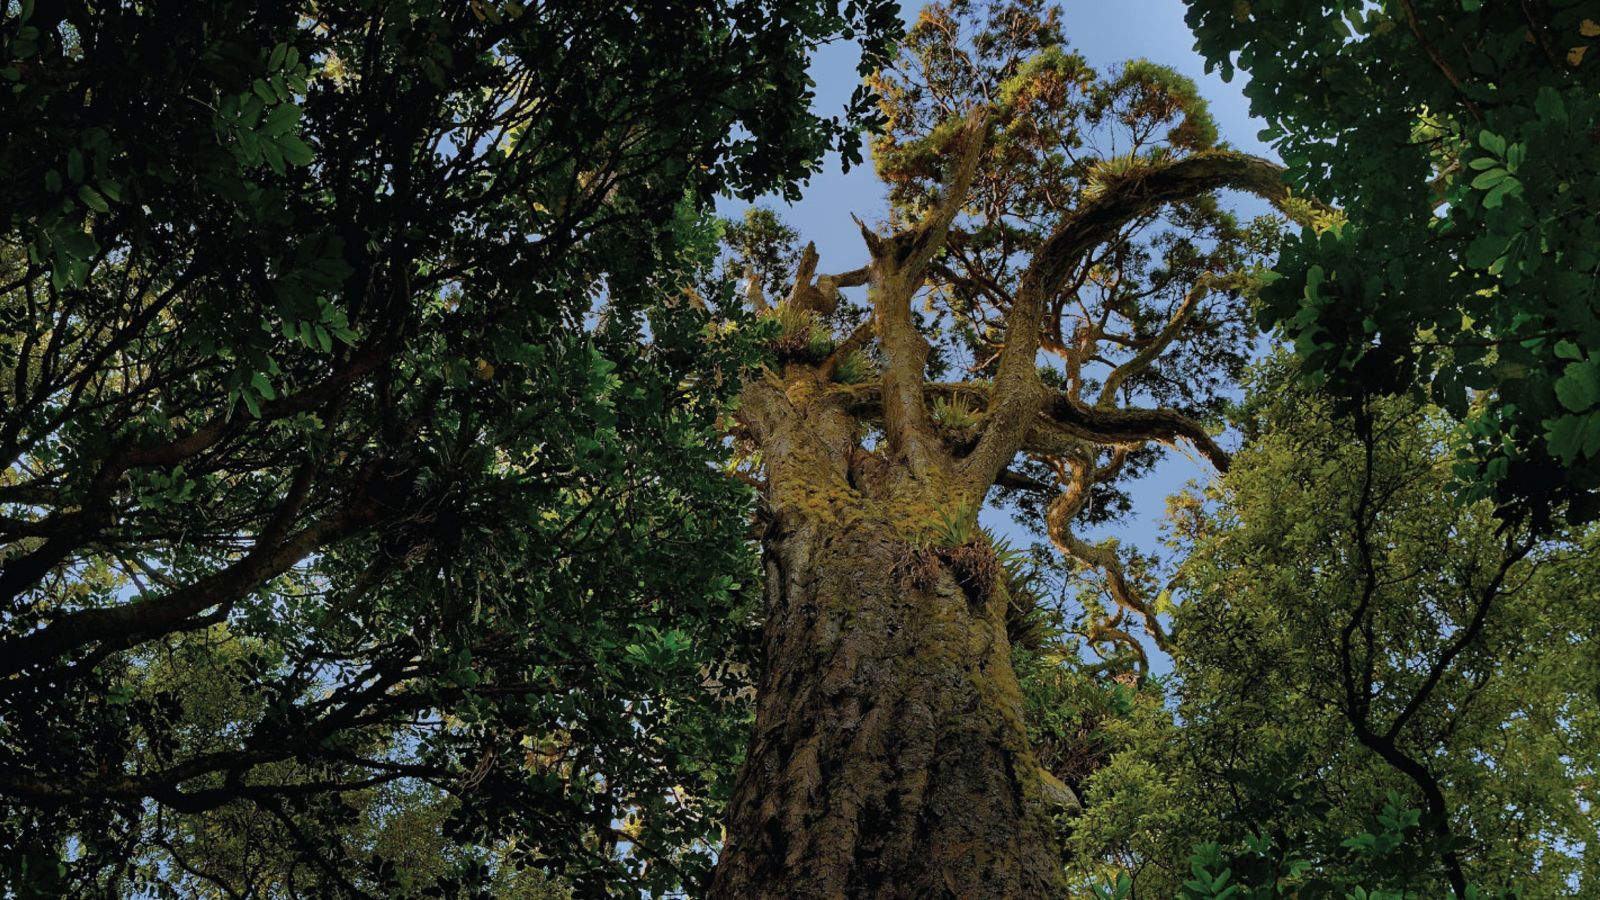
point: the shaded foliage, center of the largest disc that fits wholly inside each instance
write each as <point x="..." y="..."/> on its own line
<point x="1459" y="140"/>
<point x="356" y="434"/>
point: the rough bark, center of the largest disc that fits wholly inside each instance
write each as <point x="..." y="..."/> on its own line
<point x="890" y="758"/>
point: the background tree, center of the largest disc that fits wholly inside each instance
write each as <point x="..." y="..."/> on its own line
<point x="340" y="377"/>
<point x="1037" y="206"/>
<point x="1459" y="139"/>
<point x="1348" y="629"/>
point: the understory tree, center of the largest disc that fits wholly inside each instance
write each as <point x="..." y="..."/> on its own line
<point x="1373" y="683"/>
<point x="1057" y="294"/>
<point x="1460" y="138"/>
<point x="356" y="494"/>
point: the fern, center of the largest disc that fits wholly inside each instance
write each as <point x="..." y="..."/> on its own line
<point x="955" y="412"/>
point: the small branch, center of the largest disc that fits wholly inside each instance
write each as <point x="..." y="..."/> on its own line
<point x="1153" y="349"/>
<point x="1438" y="59"/>
<point x="1132" y="426"/>
<point x="1017" y="385"/>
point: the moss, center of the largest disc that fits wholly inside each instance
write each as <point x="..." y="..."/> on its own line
<point x="855" y="368"/>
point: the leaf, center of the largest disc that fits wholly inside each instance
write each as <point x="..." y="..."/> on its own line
<point x="1578" y="389"/>
<point x="1314" y="279"/>
<point x="1493" y="199"/>
<point x="1490" y="178"/>
<point x="282" y="118"/>
<point x="1548" y="104"/>
<point x="274" y="158"/>
<point x="1575" y="56"/>
<point x="263" y="386"/>
<point x="1492" y="142"/>
<point x="1568" y="436"/>
<point x="1484" y="250"/>
<point x="296" y="151"/>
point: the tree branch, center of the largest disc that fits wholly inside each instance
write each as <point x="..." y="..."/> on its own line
<point x="899" y="265"/>
<point x="1018" y="392"/>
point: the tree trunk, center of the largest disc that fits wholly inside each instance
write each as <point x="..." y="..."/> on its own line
<point x="890" y="757"/>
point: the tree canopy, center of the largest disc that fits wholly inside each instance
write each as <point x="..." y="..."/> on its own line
<point x="355" y="469"/>
<point x="1458" y="141"/>
<point x="1348" y="630"/>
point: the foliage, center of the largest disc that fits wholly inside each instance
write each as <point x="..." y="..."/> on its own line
<point x="357" y="490"/>
<point x="1314" y="698"/>
<point x="1459" y="139"/>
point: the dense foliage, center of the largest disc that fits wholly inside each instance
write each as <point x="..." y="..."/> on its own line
<point x="388" y="428"/>
<point x="1356" y="653"/>
<point x="359" y="530"/>
<point x="1459" y="140"/>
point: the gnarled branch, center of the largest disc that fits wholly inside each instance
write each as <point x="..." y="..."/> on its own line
<point x="1018" y="393"/>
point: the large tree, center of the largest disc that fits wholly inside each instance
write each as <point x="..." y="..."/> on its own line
<point x="1459" y="136"/>
<point x="1348" y="629"/>
<point x="1081" y="303"/>
<point x="351" y="442"/>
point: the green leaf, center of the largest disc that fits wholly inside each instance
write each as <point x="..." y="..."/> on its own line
<point x="296" y="151"/>
<point x="1492" y="142"/>
<point x="92" y="199"/>
<point x="282" y="118"/>
<point x="1490" y="178"/>
<point x="263" y="386"/>
<point x="1494" y="198"/>
<point x="1578" y="389"/>
<point x="1548" y="104"/>
<point x="1570" y="436"/>
<point x="1484" y="250"/>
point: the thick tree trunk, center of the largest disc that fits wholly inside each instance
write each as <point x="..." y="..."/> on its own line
<point x="890" y="757"/>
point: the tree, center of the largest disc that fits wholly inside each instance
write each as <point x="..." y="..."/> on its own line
<point x="1349" y="629"/>
<point x="1458" y="138"/>
<point x="342" y="372"/>
<point x="1037" y="206"/>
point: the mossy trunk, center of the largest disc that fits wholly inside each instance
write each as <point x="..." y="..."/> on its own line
<point x="890" y="757"/>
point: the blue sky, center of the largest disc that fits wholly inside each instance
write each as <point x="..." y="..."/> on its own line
<point x="1106" y="32"/>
